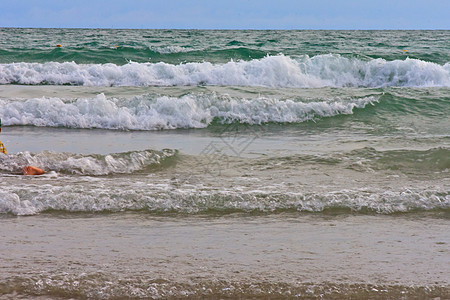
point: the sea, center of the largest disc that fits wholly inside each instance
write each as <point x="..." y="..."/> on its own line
<point x="225" y="164"/>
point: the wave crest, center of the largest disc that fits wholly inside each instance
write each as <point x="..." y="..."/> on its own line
<point x="271" y="71"/>
<point x="160" y="197"/>
<point x="163" y="112"/>
<point x="93" y="164"/>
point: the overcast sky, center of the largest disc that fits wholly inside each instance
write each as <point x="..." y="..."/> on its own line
<point x="228" y="14"/>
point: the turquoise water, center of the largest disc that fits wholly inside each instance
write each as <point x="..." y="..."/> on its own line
<point x="176" y="126"/>
<point x="98" y="46"/>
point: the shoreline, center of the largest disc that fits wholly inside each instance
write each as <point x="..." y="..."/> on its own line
<point x="232" y="254"/>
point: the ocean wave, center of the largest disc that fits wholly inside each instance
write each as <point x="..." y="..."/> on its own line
<point x="163" y="112"/>
<point x="122" y="54"/>
<point x="271" y="71"/>
<point x="93" y="164"/>
<point x="170" y="49"/>
<point x="159" y="197"/>
<point x="413" y="162"/>
<point x="368" y="159"/>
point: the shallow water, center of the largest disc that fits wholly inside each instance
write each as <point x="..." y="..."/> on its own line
<point x="306" y="255"/>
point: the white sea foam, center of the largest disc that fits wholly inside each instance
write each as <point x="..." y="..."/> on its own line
<point x="93" y="165"/>
<point x="271" y="71"/>
<point x="106" y="194"/>
<point x="169" y="49"/>
<point x="155" y="194"/>
<point x="163" y="112"/>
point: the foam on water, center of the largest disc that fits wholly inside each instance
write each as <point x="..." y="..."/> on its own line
<point x="94" y="164"/>
<point x="109" y="195"/>
<point x="271" y="71"/>
<point x="169" y="49"/>
<point x="98" y="285"/>
<point x="164" y="112"/>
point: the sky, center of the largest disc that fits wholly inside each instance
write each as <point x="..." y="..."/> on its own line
<point x="228" y="14"/>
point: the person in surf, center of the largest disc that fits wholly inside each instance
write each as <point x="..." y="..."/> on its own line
<point x="2" y="147"/>
<point x="27" y="170"/>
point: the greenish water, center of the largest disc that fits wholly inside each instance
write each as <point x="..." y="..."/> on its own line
<point x="297" y="147"/>
<point x="95" y="46"/>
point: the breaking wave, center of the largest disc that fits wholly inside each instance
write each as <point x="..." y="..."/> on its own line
<point x="93" y="164"/>
<point x="271" y="71"/>
<point x="164" y="112"/>
<point x="109" y="195"/>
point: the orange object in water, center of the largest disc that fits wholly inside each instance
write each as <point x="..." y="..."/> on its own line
<point x="58" y="45"/>
<point x="30" y="170"/>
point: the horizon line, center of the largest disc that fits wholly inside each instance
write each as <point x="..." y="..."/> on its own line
<point x="231" y="29"/>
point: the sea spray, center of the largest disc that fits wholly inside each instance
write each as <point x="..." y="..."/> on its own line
<point x="330" y="70"/>
<point x="153" y="112"/>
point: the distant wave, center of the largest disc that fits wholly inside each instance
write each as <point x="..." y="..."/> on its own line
<point x="123" y="54"/>
<point x="93" y="164"/>
<point x="271" y="71"/>
<point x="163" y="112"/>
